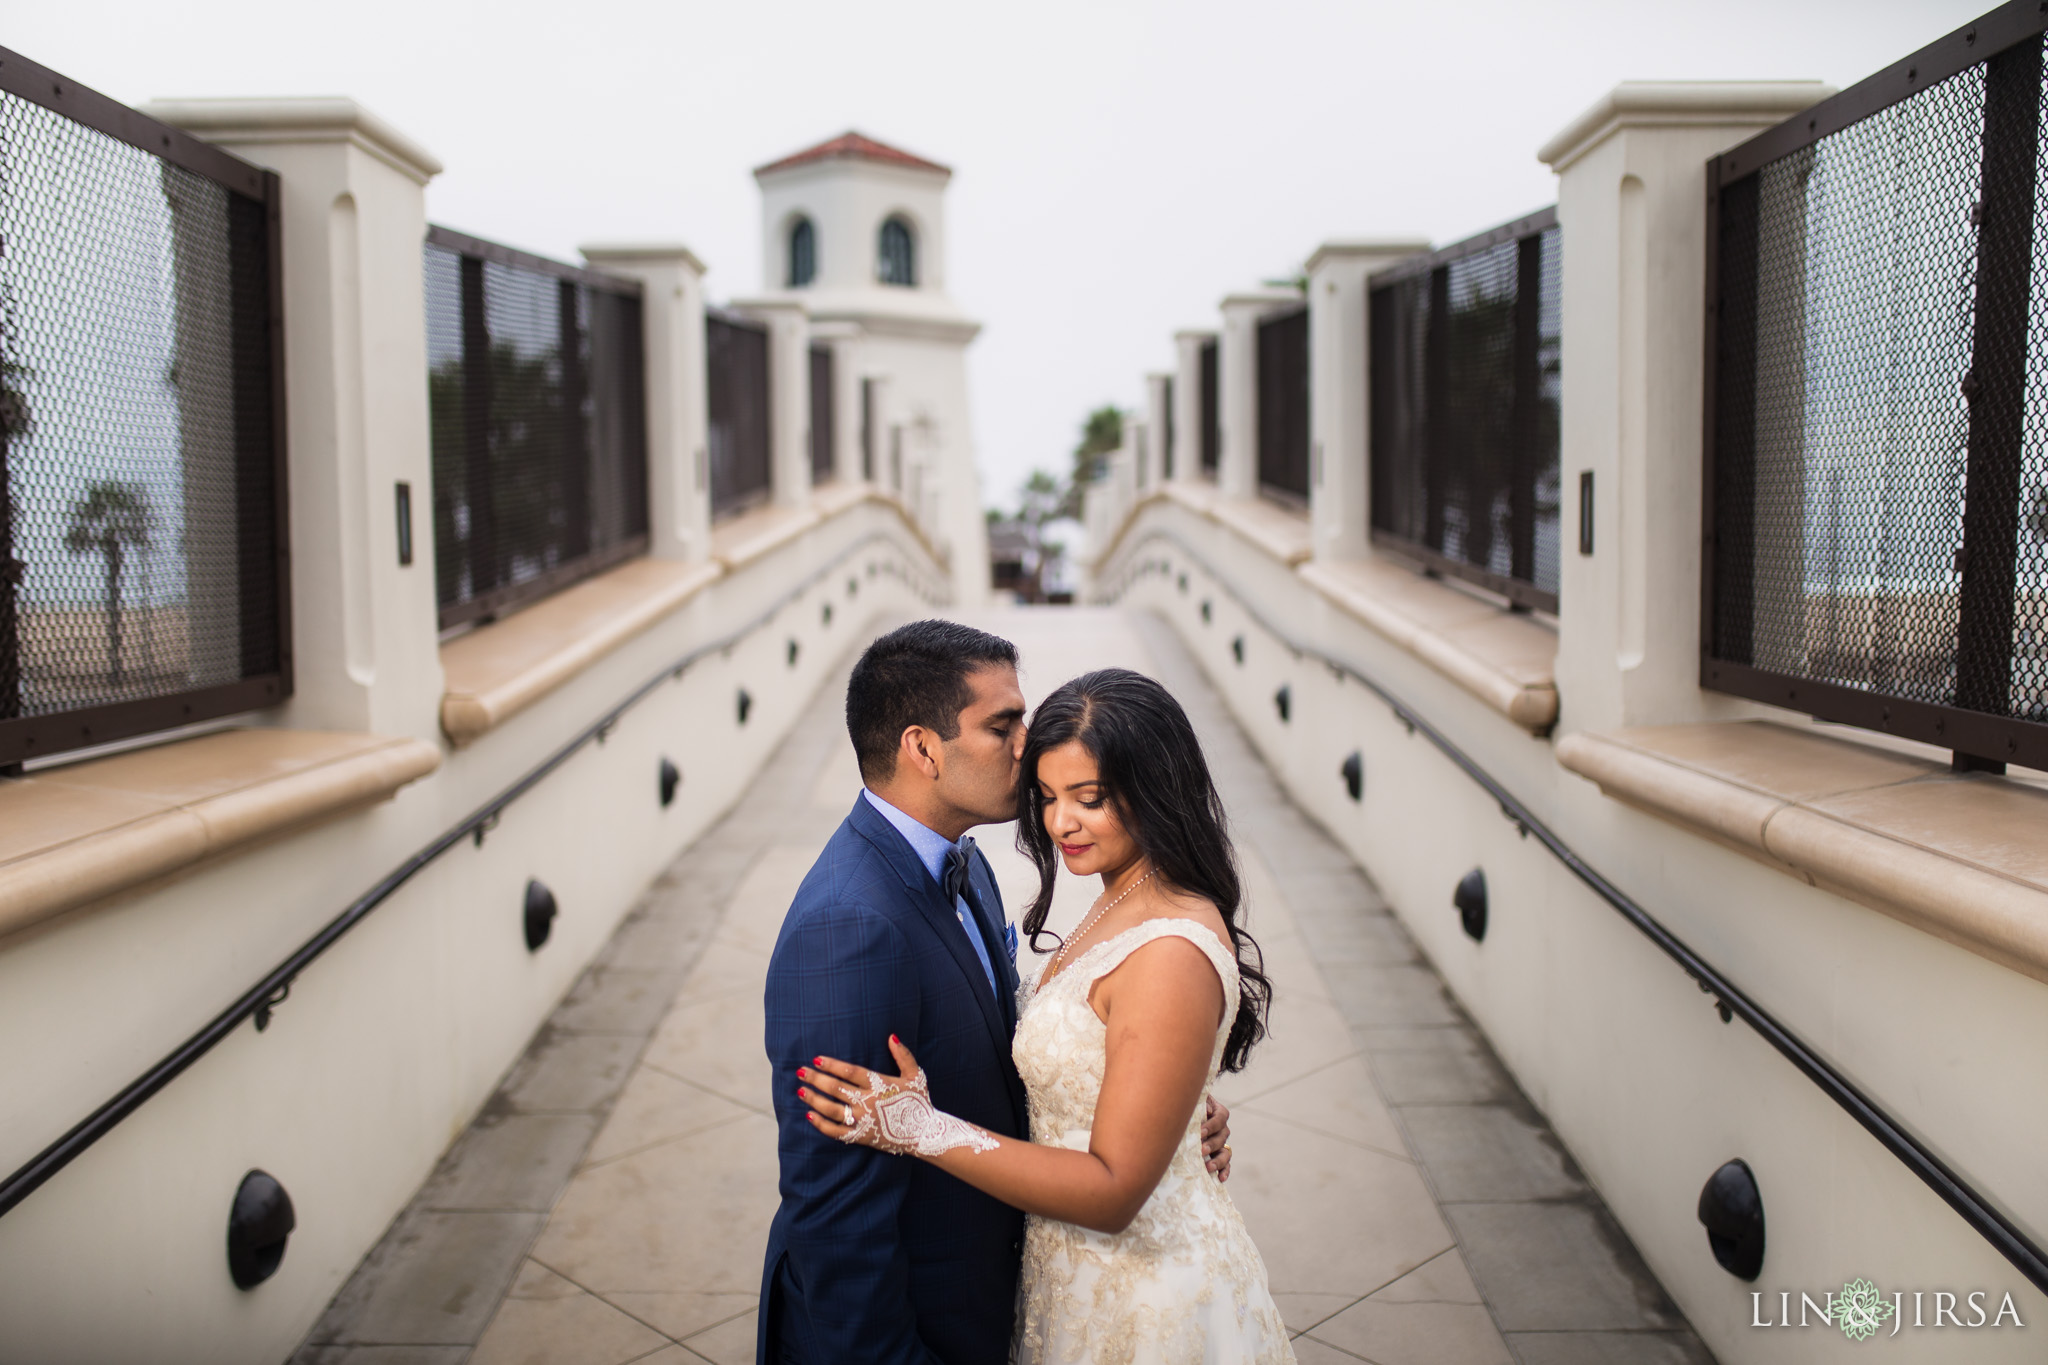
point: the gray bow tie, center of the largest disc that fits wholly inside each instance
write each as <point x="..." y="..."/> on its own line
<point x="955" y="879"/>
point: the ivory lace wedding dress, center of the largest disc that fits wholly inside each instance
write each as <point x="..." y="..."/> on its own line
<point x="1183" y="1285"/>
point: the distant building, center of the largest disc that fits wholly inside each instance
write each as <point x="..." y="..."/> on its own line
<point x="1012" y="560"/>
<point x="855" y="230"/>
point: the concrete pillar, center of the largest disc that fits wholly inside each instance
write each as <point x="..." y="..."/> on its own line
<point x="1631" y="207"/>
<point x="1237" y="381"/>
<point x="1187" y="405"/>
<point x="789" y="396"/>
<point x="1339" y="404"/>
<point x="1158" y="428"/>
<point x="678" y="447"/>
<point x="364" y="628"/>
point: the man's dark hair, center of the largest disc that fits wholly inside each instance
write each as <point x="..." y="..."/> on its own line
<point x="915" y="675"/>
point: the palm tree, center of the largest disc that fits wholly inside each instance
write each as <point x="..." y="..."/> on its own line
<point x="14" y="425"/>
<point x="1101" y="432"/>
<point x="111" y="516"/>
<point x="14" y="418"/>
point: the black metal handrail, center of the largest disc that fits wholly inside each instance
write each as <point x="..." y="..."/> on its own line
<point x="275" y="985"/>
<point x="1957" y="1193"/>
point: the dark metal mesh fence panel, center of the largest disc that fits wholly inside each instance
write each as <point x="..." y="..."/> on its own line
<point x="1879" y="453"/>
<point x="1212" y="418"/>
<point x="867" y="429"/>
<point x="824" y="428"/>
<point x="1465" y="400"/>
<point x="536" y="390"/>
<point x="1283" y="405"/>
<point x="1166" y="416"/>
<point x="140" y="567"/>
<point x="737" y="355"/>
<point x="2028" y="695"/>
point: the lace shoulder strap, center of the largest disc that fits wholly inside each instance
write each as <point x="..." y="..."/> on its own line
<point x="1107" y="956"/>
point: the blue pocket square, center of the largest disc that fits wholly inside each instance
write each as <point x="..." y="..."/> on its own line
<point x="1010" y="939"/>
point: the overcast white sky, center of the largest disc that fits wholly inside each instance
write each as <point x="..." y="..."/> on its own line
<point x="1119" y="167"/>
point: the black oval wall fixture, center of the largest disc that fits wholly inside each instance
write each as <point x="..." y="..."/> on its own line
<point x="1732" y="1212"/>
<point x="1183" y="582"/>
<point x="793" y="651"/>
<point x="825" y="616"/>
<point x="1205" y="611"/>
<point x="1470" y="898"/>
<point x="1237" y="647"/>
<point x="671" y="777"/>
<point x="852" y="587"/>
<point x="260" y="1222"/>
<point x="1283" y="702"/>
<point x="540" y="914"/>
<point x="1353" y="769"/>
<point x="745" y="705"/>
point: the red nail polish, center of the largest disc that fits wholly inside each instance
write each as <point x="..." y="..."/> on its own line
<point x="802" y="1073"/>
<point x="802" y="1093"/>
<point x="817" y="1061"/>
<point x="894" y="1039"/>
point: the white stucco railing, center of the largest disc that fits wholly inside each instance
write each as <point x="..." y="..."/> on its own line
<point x="301" y="945"/>
<point x="1878" y="920"/>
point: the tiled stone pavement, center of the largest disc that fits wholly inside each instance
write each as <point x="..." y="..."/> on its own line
<point x="612" y="1203"/>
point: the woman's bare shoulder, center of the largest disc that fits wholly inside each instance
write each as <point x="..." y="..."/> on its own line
<point x="1178" y="904"/>
<point x="1184" y="954"/>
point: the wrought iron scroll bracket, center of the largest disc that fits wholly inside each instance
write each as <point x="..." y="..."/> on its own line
<point x="271" y="1002"/>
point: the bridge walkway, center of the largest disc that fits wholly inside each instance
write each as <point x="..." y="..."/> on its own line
<point x="611" y="1203"/>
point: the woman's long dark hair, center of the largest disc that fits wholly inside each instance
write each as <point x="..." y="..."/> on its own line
<point x="1155" y="778"/>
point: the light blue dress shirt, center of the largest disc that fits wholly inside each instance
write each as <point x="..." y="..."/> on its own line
<point x="931" y="848"/>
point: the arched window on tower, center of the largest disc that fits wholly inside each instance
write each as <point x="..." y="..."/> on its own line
<point x="803" y="253"/>
<point x="896" y="258"/>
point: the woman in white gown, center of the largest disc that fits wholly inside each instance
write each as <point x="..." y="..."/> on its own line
<point x="1132" y="1252"/>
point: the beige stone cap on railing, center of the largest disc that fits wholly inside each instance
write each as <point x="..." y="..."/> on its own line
<point x="79" y="833"/>
<point x="1679" y="104"/>
<point x="1339" y="247"/>
<point x="1504" y="658"/>
<point x="747" y="537"/>
<point x="760" y="531"/>
<point x="308" y="118"/>
<point x="1281" y="533"/>
<point x="496" y="671"/>
<point x="1961" y="856"/>
<point x="598" y="255"/>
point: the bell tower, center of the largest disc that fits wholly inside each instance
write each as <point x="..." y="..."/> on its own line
<point x="855" y="231"/>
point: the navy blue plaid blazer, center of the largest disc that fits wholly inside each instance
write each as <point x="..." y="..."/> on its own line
<point x="877" y="1258"/>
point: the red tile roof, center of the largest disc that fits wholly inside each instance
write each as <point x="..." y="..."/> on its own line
<point x="858" y="147"/>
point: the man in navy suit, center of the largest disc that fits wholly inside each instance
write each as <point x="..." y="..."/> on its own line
<point x="899" y="929"/>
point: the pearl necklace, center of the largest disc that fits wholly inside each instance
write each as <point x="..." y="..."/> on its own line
<point x="1082" y="932"/>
